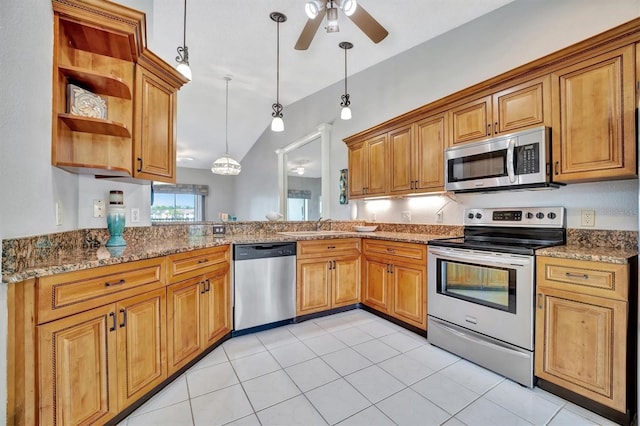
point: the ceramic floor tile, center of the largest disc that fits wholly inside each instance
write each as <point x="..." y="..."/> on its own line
<point x="346" y="361"/>
<point x="445" y="393"/>
<point x="433" y="357"/>
<point x="175" y="415"/>
<point x="523" y="402"/>
<point x="352" y="336"/>
<point x="173" y="393"/>
<point x="590" y="415"/>
<point x="337" y="400"/>
<point x="565" y="417"/>
<point x="377" y="328"/>
<point x="406" y="369"/>
<point x="209" y="379"/>
<point x="400" y="342"/>
<point x="311" y="374"/>
<point x="254" y="365"/>
<point x="408" y="408"/>
<point x="276" y="337"/>
<point x="472" y="376"/>
<point x="216" y="356"/>
<point x="270" y="389"/>
<point x="221" y="407"/>
<point x="371" y="416"/>
<point x="376" y="351"/>
<point x="324" y="344"/>
<point x="292" y="354"/>
<point x="453" y="422"/>
<point x="483" y="412"/>
<point x="332" y="323"/>
<point x="306" y="330"/>
<point x="250" y="420"/>
<point x="295" y="411"/>
<point x="375" y="383"/>
<point x="238" y="347"/>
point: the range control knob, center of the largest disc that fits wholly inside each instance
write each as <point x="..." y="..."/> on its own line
<point x="540" y="215"/>
<point x="478" y="215"/>
<point x="529" y="215"/>
<point x="551" y="215"/>
<point x="470" y="215"/>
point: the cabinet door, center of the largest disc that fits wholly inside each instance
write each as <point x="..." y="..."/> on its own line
<point x="77" y="368"/>
<point x="345" y="281"/>
<point x="184" y="338"/>
<point x="593" y="128"/>
<point x="313" y="293"/>
<point x="430" y="137"/>
<point x="471" y="120"/>
<point x="522" y="106"/>
<point x="216" y="308"/>
<point x="400" y="141"/>
<point x="409" y="294"/>
<point x="357" y="170"/>
<point x="581" y="345"/>
<point x="142" y="360"/>
<point x="377" y="161"/>
<point x="375" y="285"/>
<point x="155" y="133"/>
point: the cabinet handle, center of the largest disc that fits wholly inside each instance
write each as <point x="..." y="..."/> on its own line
<point x="330" y="247"/>
<point x="334" y="264"/>
<point x="388" y="268"/>
<point x="391" y="268"/>
<point x="111" y="284"/>
<point x="139" y="164"/>
<point x="572" y="275"/>
<point x="207" y="285"/>
<point x="539" y="300"/>
<point x="556" y="165"/>
<point x="113" y="317"/>
<point x="124" y="318"/>
<point x="489" y="129"/>
<point x="391" y="250"/>
<point x="328" y="265"/>
<point x="204" y="288"/>
<point x="495" y="128"/>
<point x="203" y="260"/>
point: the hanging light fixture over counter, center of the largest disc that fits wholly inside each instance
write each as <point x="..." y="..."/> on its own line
<point x="226" y="165"/>
<point x="183" y="51"/>
<point x="277" y="124"/>
<point x="345" y="113"/>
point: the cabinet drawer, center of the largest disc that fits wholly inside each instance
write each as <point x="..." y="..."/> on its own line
<point x="341" y="246"/>
<point x="193" y="263"/>
<point x="400" y="251"/>
<point x="608" y="280"/>
<point x="66" y="294"/>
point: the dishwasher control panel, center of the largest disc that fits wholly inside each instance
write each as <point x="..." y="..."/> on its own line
<point x="263" y="250"/>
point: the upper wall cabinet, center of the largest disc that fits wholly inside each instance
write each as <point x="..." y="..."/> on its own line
<point x="594" y="130"/>
<point x="368" y="167"/>
<point x="514" y="108"/>
<point x="96" y="88"/>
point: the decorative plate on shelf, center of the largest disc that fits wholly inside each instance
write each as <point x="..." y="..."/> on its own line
<point x="366" y="228"/>
<point x="84" y="103"/>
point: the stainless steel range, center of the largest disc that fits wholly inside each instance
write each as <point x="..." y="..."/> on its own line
<point x="481" y="287"/>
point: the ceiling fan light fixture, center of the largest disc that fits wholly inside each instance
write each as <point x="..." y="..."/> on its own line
<point x="349" y="7"/>
<point x="226" y="165"/>
<point x="332" y="16"/>
<point x="183" y="51"/>
<point x="312" y="9"/>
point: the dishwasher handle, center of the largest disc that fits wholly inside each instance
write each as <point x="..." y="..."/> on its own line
<point x="263" y="250"/>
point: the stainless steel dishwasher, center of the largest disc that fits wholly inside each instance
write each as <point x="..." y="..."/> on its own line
<point x="264" y="284"/>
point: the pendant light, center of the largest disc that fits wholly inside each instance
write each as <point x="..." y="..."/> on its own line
<point x="226" y="165"/>
<point x="183" y="51"/>
<point x="277" y="125"/>
<point x="345" y="114"/>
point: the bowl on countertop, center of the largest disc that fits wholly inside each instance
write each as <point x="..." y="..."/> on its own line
<point x="273" y="216"/>
<point x="369" y="228"/>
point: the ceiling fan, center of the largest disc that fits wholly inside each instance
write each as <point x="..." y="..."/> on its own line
<point x="316" y="10"/>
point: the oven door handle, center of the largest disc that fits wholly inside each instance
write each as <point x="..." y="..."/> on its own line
<point x="510" y="157"/>
<point x="476" y="257"/>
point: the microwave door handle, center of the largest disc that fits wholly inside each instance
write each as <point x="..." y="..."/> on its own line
<point x="510" y="155"/>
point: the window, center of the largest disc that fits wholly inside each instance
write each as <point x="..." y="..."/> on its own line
<point x="178" y="203"/>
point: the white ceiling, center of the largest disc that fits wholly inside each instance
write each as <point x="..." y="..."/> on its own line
<point x="237" y="38"/>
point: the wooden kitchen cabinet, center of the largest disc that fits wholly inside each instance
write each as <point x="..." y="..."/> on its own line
<point x="198" y="313"/>
<point x="515" y="108"/>
<point x="368" y="167"/>
<point x="594" y="129"/>
<point x="328" y="275"/>
<point x="395" y="280"/>
<point x="582" y="321"/>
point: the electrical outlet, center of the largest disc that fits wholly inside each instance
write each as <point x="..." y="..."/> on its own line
<point x="439" y="217"/>
<point x="58" y="210"/>
<point x="588" y="217"/>
<point x="135" y="215"/>
<point x="98" y="208"/>
<point x="406" y="216"/>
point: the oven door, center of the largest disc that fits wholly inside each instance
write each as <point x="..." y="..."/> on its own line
<point x="490" y="293"/>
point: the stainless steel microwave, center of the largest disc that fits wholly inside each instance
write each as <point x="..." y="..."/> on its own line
<point x="515" y="161"/>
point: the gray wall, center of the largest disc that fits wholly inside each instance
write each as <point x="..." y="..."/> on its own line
<point x="221" y="191"/>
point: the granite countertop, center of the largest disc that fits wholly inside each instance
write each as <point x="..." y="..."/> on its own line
<point x="48" y="261"/>
<point x="594" y="254"/>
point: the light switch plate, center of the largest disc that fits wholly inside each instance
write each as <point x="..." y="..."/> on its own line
<point x="135" y="215"/>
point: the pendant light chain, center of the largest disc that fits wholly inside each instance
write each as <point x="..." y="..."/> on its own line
<point x="184" y="25"/>
<point x="345" y="71"/>
<point x="226" y="120"/>
<point x="278" y="63"/>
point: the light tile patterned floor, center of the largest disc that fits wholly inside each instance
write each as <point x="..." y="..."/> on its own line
<point x="352" y="368"/>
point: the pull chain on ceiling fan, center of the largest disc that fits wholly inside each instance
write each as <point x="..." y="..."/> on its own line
<point x="316" y="10"/>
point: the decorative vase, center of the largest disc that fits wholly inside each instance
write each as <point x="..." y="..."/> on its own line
<point x="115" y="224"/>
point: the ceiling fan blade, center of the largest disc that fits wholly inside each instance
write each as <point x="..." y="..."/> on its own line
<point x="310" y="29"/>
<point x="368" y="25"/>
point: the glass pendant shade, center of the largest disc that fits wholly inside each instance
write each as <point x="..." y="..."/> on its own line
<point x="185" y="70"/>
<point x="226" y="165"/>
<point x="345" y="113"/>
<point x="277" y="124"/>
